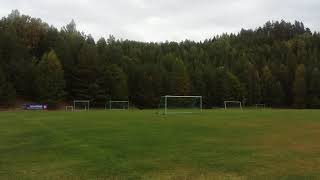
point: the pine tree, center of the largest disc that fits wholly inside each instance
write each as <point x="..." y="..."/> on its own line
<point x="49" y="80"/>
<point x="85" y="74"/>
<point x="254" y="87"/>
<point x="272" y="92"/>
<point x="179" y="81"/>
<point x="210" y="85"/>
<point x="277" y="94"/>
<point x="218" y="83"/>
<point x="314" y="89"/>
<point x="114" y="83"/>
<point x="299" y="87"/>
<point x="232" y="88"/>
<point x="263" y="60"/>
<point x="7" y="91"/>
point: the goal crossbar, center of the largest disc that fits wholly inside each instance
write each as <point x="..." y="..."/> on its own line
<point x="69" y="108"/>
<point x="261" y="105"/>
<point x="238" y="102"/>
<point x="127" y="104"/>
<point x="75" y="102"/>
<point x="179" y="97"/>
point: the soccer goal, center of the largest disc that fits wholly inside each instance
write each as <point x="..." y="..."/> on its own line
<point x="180" y="104"/>
<point x="69" y="108"/>
<point x="260" y="106"/>
<point x="117" y="105"/>
<point x="81" y="105"/>
<point x="232" y="104"/>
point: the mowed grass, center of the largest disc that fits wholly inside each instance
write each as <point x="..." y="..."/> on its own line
<point x="215" y="144"/>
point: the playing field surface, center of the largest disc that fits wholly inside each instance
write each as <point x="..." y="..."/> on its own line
<point x="215" y="144"/>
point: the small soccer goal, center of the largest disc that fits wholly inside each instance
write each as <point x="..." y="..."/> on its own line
<point x="118" y="105"/>
<point x="69" y="108"/>
<point x="260" y="106"/>
<point x="180" y="104"/>
<point x="81" y="105"/>
<point x="232" y="105"/>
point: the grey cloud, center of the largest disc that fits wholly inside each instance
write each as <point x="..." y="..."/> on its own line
<point x="154" y="20"/>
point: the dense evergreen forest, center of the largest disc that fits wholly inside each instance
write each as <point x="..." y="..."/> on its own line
<point x="276" y="64"/>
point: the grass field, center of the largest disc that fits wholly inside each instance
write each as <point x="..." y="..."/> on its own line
<point x="215" y="144"/>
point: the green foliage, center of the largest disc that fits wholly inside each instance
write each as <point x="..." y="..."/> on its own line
<point x="299" y="87"/>
<point x="314" y="89"/>
<point x="146" y="83"/>
<point x="254" y="66"/>
<point x="49" y="80"/>
<point x="272" y="92"/>
<point x="232" y="87"/>
<point x="114" y="82"/>
<point x="7" y="91"/>
<point x="254" y="86"/>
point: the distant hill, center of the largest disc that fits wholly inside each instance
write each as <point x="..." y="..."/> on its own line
<point x="276" y="64"/>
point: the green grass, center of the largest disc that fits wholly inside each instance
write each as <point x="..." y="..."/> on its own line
<point x="215" y="144"/>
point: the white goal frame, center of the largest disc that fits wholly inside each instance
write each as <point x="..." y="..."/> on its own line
<point x="87" y="107"/>
<point x="69" y="108"/>
<point x="263" y="106"/>
<point x="112" y="101"/>
<point x="238" y="102"/>
<point x="169" y="96"/>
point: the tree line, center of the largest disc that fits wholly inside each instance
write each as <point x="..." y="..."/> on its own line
<point x="276" y="64"/>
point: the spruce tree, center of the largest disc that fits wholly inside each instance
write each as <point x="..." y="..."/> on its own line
<point x="49" y="80"/>
<point x="7" y="91"/>
<point x="299" y="87"/>
<point x="314" y="89"/>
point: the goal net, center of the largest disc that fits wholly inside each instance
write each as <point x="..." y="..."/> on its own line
<point x="180" y="104"/>
<point x="81" y="105"/>
<point x="232" y="105"/>
<point x="69" y="108"/>
<point x="117" y="105"/>
<point x="260" y="106"/>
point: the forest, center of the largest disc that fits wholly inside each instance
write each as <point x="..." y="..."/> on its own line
<point x="277" y="64"/>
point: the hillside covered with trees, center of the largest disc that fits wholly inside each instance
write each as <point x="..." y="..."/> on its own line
<point x="277" y="64"/>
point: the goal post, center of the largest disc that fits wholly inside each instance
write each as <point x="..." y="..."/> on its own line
<point x="83" y="105"/>
<point x="234" y="103"/>
<point x="117" y="105"/>
<point x="180" y="104"/>
<point x="69" y="108"/>
<point x="260" y="106"/>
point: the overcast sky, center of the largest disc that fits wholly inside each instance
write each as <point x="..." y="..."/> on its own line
<point x="160" y="20"/>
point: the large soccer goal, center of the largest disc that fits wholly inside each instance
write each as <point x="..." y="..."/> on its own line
<point x="180" y="104"/>
<point x="232" y="104"/>
<point x="83" y="105"/>
<point x="118" y="105"/>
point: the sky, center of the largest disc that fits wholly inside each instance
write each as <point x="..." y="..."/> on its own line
<point x="161" y="20"/>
